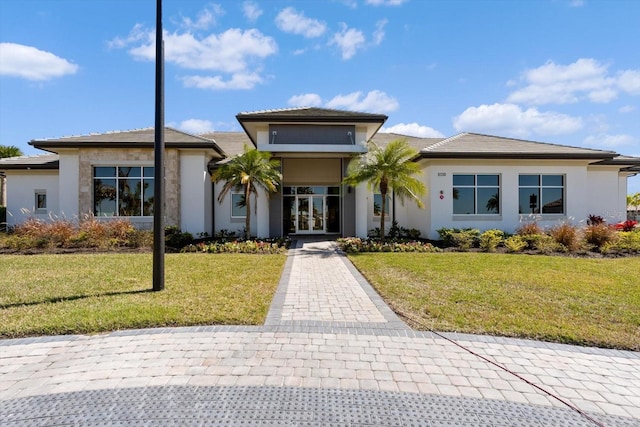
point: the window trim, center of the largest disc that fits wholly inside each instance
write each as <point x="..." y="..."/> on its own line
<point x="36" y="208"/>
<point x="237" y="193"/>
<point x="540" y="187"/>
<point x="475" y="186"/>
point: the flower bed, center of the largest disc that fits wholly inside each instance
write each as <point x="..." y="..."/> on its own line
<point x="356" y="244"/>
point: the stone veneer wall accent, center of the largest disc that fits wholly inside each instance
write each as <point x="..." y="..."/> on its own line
<point x="125" y="157"/>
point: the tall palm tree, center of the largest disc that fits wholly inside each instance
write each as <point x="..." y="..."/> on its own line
<point x="250" y="170"/>
<point x="388" y="169"/>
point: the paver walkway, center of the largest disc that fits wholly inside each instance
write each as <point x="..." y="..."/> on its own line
<point x="330" y="353"/>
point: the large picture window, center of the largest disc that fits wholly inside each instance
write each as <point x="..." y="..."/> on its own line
<point x="123" y="190"/>
<point x="541" y="194"/>
<point x="476" y="194"/>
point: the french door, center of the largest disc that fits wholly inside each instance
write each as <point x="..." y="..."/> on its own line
<point x="310" y="214"/>
<point x="311" y="210"/>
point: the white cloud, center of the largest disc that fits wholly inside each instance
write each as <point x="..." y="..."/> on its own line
<point x="375" y="101"/>
<point x="629" y="81"/>
<point x="290" y="20"/>
<point x="137" y="34"/>
<point x="576" y="3"/>
<point x="627" y="109"/>
<point x="230" y="51"/>
<point x="205" y="19"/>
<point x="196" y="126"/>
<point x="413" y="129"/>
<point x="237" y="81"/>
<point x="306" y="100"/>
<point x="251" y="10"/>
<point x="378" y="34"/>
<point x="611" y="141"/>
<point x="349" y="40"/>
<point x="30" y="63"/>
<point x="235" y="52"/>
<point x="511" y="120"/>
<point x="585" y="79"/>
<point x="386" y="2"/>
<point x="562" y="84"/>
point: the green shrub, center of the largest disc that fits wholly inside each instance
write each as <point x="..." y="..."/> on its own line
<point x="176" y="239"/>
<point x="490" y="239"/>
<point x="566" y="235"/>
<point x="466" y="239"/>
<point x="463" y="239"/>
<point x="545" y="244"/>
<point x="515" y="243"/>
<point x="628" y="241"/>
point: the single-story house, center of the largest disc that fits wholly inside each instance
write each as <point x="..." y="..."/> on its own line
<point x="473" y="180"/>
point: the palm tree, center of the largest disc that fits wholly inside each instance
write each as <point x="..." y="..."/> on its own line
<point x="6" y="151"/>
<point x="388" y="169"/>
<point x="633" y="200"/>
<point x="9" y="151"/>
<point x="250" y="170"/>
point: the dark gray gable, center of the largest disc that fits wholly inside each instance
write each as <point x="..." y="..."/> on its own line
<point x="137" y="138"/>
<point x="310" y="114"/>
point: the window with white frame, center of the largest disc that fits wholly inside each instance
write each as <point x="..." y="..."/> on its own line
<point x="238" y="205"/>
<point x="377" y="204"/>
<point x="476" y="194"/>
<point x="123" y="190"/>
<point x="40" y="202"/>
<point x="541" y="194"/>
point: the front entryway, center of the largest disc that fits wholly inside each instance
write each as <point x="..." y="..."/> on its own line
<point x="311" y="209"/>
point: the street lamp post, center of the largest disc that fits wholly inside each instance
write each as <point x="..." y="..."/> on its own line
<point x="158" y="188"/>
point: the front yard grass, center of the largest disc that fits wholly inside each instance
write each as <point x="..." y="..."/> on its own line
<point x="593" y="302"/>
<point x="91" y="293"/>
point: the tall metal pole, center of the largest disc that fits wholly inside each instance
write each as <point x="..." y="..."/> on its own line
<point x="158" y="178"/>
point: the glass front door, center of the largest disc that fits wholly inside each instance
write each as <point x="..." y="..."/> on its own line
<point x="311" y="210"/>
<point x="311" y="214"/>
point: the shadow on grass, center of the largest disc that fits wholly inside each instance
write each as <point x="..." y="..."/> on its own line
<point x="72" y="298"/>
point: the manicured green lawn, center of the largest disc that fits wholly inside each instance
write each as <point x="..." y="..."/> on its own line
<point x="89" y="293"/>
<point x="561" y="299"/>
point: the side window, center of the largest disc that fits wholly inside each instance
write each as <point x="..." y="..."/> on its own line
<point x="40" y="201"/>
<point x="377" y="204"/>
<point x="238" y="205"/>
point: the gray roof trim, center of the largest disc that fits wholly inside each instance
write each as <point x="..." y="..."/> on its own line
<point x="310" y="114"/>
<point x="39" y="162"/>
<point x="479" y="146"/>
<point x="510" y="155"/>
<point x="138" y="138"/>
<point x="621" y="161"/>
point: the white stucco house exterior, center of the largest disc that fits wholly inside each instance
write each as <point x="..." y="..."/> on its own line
<point x="473" y="180"/>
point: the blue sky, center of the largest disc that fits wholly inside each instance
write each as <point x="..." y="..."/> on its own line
<point x="560" y="71"/>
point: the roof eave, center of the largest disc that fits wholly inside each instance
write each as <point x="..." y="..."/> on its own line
<point x="522" y="156"/>
<point x="55" y="165"/>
